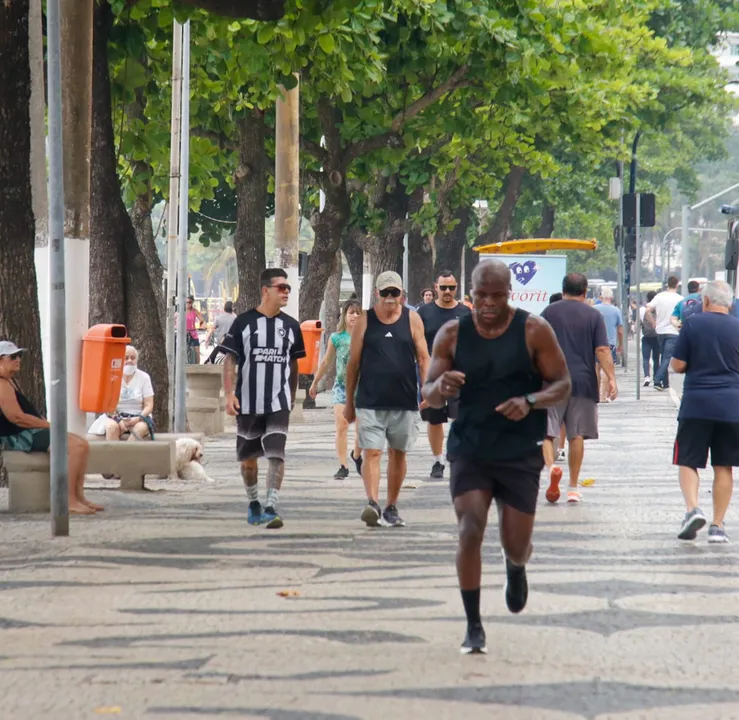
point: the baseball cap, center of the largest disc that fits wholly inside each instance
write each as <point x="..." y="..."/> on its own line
<point x="9" y="348"/>
<point x="388" y="279"/>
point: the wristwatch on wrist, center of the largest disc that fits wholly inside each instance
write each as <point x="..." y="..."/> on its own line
<point x="531" y="401"/>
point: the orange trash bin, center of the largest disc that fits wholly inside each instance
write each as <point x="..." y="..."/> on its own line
<point x="312" y="331"/>
<point x="103" y="352"/>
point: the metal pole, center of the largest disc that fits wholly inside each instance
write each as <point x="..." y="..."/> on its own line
<point x="180" y="418"/>
<point x="462" y="273"/>
<point x="57" y="292"/>
<point x="405" y="263"/>
<point x="174" y="190"/>
<point x="623" y="293"/>
<point x="173" y="208"/>
<point x="685" y="274"/>
<point x="637" y="282"/>
<point x="367" y="281"/>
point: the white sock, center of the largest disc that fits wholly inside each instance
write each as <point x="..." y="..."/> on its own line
<point x="439" y="459"/>
<point x="272" y="497"/>
<point x="252" y="493"/>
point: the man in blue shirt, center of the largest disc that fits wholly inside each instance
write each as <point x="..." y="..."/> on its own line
<point x="689" y="305"/>
<point x="707" y="351"/>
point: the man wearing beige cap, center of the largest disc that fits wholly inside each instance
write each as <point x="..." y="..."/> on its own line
<point x="382" y="392"/>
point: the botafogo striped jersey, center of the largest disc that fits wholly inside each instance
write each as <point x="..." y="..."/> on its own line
<point x="265" y="347"/>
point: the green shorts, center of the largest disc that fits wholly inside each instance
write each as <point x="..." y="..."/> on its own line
<point x="35" y="440"/>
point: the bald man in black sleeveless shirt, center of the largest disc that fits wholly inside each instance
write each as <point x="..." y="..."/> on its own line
<point x="507" y="367"/>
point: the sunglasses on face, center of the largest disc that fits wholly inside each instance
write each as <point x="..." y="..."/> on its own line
<point x="390" y="292"/>
<point x="445" y="288"/>
<point x="14" y="356"/>
<point x="282" y="287"/>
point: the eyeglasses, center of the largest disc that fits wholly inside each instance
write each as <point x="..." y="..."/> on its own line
<point x="282" y="287"/>
<point x="444" y="288"/>
<point x="390" y="292"/>
<point x="188" y="302"/>
<point x="14" y="356"/>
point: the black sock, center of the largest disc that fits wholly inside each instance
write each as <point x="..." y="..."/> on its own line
<point x="471" y="600"/>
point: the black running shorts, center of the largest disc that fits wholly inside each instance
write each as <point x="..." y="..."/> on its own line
<point x="262" y="435"/>
<point x="512" y="482"/>
<point x="696" y="437"/>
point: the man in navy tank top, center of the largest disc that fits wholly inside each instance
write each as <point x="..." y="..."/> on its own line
<point x="382" y="392"/>
<point x="507" y="367"/>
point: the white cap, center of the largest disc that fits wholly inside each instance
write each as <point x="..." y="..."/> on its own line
<point x="9" y="348"/>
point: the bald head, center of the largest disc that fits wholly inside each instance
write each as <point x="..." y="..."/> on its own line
<point x="491" y="271"/>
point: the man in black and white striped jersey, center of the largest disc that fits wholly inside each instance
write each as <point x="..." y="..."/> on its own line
<point x="260" y="378"/>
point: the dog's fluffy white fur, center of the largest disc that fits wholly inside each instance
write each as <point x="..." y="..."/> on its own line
<point x="189" y="453"/>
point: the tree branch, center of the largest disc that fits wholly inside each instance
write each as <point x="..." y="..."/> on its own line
<point x="418" y="106"/>
<point x="254" y="9"/>
<point x="392" y="138"/>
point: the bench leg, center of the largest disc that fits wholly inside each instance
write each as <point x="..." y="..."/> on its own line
<point x="132" y="481"/>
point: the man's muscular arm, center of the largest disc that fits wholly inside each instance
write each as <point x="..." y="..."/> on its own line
<point x="443" y="383"/>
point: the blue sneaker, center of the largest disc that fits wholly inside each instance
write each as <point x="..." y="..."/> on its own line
<point x="270" y="518"/>
<point x="255" y="513"/>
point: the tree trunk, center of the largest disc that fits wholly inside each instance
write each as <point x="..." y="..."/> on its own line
<point x="141" y="220"/>
<point x="387" y="249"/>
<point x="449" y="244"/>
<point x="502" y="223"/>
<point x="251" y="194"/>
<point x="546" y="227"/>
<point x="420" y="254"/>
<point x="120" y="286"/>
<point x="354" y="259"/>
<point x="329" y="226"/>
<point x="332" y="313"/>
<point x="19" y="311"/>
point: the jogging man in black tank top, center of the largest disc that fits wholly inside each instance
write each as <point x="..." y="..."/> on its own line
<point x="499" y="360"/>
<point x="387" y="341"/>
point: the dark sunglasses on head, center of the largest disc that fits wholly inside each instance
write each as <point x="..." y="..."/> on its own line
<point x="390" y="292"/>
<point x="282" y="287"/>
<point x="443" y="288"/>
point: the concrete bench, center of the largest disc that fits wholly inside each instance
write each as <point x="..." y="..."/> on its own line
<point x="159" y="437"/>
<point x="28" y="481"/>
<point x="204" y="415"/>
<point x="205" y="385"/>
<point x="132" y="460"/>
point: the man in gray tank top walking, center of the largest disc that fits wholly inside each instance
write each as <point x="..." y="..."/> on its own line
<point x="507" y="367"/>
<point x="382" y="392"/>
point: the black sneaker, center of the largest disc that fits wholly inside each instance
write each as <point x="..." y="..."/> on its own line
<point x="516" y="587"/>
<point x="391" y="517"/>
<point x="474" y="641"/>
<point x="371" y="514"/>
<point x="342" y="473"/>
<point x="437" y="471"/>
<point x="357" y="462"/>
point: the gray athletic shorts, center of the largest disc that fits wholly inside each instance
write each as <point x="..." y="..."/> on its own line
<point x="579" y="415"/>
<point x="399" y="427"/>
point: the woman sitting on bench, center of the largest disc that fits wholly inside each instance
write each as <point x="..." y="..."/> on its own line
<point x="132" y="417"/>
<point x="23" y="429"/>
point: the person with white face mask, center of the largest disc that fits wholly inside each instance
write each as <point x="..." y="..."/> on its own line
<point x="132" y="417"/>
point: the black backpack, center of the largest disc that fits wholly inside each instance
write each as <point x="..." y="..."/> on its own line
<point x="648" y="328"/>
<point x="691" y="306"/>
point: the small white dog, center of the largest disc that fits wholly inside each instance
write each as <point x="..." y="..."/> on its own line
<point x="189" y="453"/>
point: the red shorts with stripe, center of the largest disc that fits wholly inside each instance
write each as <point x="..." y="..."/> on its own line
<point x="695" y="438"/>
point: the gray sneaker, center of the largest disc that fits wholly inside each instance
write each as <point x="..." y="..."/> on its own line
<point x="717" y="535"/>
<point x="692" y="522"/>
<point x="391" y="518"/>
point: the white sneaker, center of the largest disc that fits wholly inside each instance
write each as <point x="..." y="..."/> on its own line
<point x="647" y="381"/>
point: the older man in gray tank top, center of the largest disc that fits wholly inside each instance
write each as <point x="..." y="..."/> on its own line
<point x="382" y="392"/>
